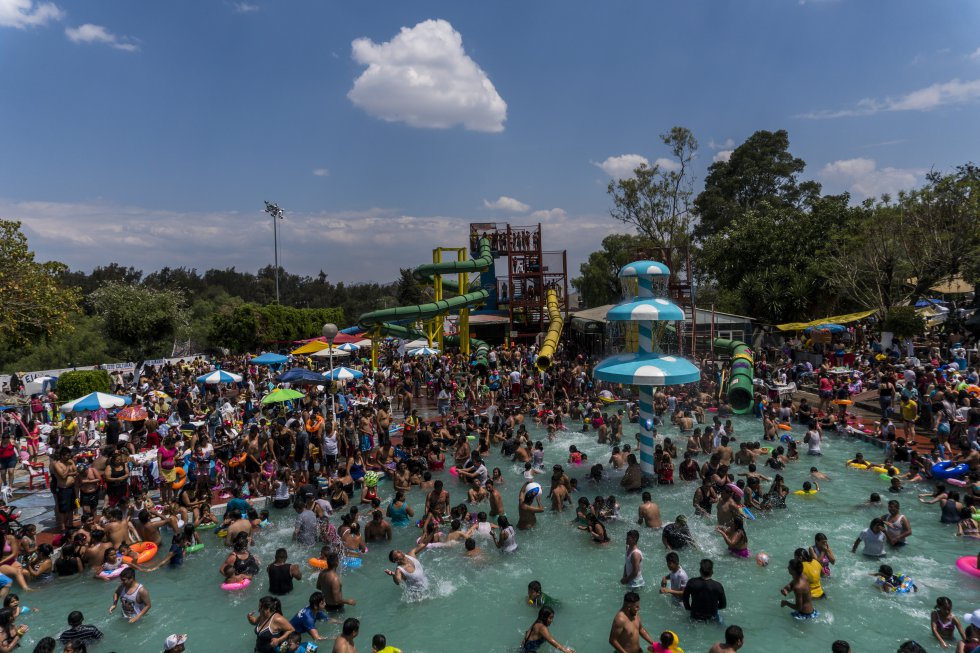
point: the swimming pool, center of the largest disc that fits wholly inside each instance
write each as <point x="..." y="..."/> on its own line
<point x="479" y="606"/>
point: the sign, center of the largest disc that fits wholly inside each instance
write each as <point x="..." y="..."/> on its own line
<point x="111" y="368"/>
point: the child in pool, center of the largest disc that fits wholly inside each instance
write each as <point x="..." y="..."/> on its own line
<point x="669" y="643"/>
<point x="111" y="561"/>
<point x="888" y="581"/>
<point x="944" y="623"/>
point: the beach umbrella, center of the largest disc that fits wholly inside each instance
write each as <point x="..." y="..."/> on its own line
<point x="219" y="376"/>
<point x="327" y="351"/>
<point x="157" y="394"/>
<point x="95" y="401"/>
<point x="132" y="414"/>
<point x="423" y="351"/>
<point x="348" y="347"/>
<point x="280" y="395"/>
<point x="310" y="348"/>
<point x="343" y="374"/>
<point x="300" y="375"/>
<point x="270" y="359"/>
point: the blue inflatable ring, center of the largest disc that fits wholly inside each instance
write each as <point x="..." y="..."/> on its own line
<point x="949" y="469"/>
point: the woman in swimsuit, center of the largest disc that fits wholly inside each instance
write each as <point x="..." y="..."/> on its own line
<point x="271" y="628"/>
<point x="240" y="563"/>
<point x="945" y="625"/>
<point x="538" y="633"/>
<point x="822" y="553"/>
<point x="735" y="537"/>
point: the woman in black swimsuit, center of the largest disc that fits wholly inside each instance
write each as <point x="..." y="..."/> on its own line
<point x="271" y="628"/>
<point x="240" y="563"/>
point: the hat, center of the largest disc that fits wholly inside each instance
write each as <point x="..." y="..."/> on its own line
<point x="973" y="618"/>
<point x="681" y="518"/>
<point x="173" y="641"/>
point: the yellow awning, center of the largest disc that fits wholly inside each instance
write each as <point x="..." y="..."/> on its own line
<point x="310" y="348"/>
<point x="952" y="286"/>
<point x="833" y="319"/>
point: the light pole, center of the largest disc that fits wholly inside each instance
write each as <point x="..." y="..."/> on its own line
<point x="277" y="214"/>
<point x="329" y="332"/>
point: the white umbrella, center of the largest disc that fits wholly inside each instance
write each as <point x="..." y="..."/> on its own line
<point x="219" y="376"/>
<point x="343" y="374"/>
<point x="423" y="351"/>
<point x="326" y="352"/>
<point x="94" y="401"/>
<point x="348" y="347"/>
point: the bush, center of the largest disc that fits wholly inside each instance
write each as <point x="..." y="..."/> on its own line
<point x="72" y="385"/>
<point x="904" y="322"/>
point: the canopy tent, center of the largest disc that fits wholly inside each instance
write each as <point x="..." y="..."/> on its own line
<point x="269" y="359"/>
<point x="835" y="319"/>
<point x="95" y="401"/>
<point x="326" y="352"/>
<point x="953" y="286"/>
<point x="301" y="375"/>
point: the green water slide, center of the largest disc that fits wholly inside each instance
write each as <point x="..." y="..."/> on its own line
<point x="739" y="389"/>
<point x="381" y="319"/>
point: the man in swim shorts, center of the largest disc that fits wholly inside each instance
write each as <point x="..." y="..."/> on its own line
<point x="800" y="586"/>
<point x="627" y="629"/>
<point x="328" y="582"/>
<point x="734" y="639"/>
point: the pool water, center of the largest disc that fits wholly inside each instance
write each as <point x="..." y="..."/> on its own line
<point x="479" y="605"/>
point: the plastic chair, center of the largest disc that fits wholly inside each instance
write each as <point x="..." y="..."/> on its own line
<point x="36" y="471"/>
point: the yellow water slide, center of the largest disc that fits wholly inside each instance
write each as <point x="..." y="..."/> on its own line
<point x="556" y="322"/>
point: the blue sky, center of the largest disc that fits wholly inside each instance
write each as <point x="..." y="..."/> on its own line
<point x="150" y="133"/>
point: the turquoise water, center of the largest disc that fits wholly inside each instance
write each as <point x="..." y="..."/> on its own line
<point x="478" y="606"/>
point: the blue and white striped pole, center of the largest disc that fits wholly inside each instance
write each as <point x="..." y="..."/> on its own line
<point x="645" y="331"/>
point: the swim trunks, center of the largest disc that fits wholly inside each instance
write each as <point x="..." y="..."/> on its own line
<point x="803" y="617"/>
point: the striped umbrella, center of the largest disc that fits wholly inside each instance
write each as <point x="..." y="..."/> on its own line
<point x="348" y="347"/>
<point x="219" y="376"/>
<point x="343" y="374"/>
<point x="423" y="351"/>
<point x="95" y="401"/>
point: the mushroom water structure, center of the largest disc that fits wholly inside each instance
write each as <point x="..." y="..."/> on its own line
<point x="646" y="368"/>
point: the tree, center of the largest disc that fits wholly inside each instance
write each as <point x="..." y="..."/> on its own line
<point x="143" y="320"/>
<point x="599" y="283"/>
<point x="408" y="291"/>
<point x="250" y="327"/>
<point x="759" y="170"/>
<point x="78" y="383"/>
<point x="656" y="199"/>
<point x="36" y="304"/>
<point x="904" y="322"/>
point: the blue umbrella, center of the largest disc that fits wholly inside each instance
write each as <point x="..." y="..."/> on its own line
<point x="219" y="376"/>
<point x="301" y="375"/>
<point x="343" y="374"/>
<point x="348" y="346"/>
<point x="423" y="351"/>
<point x="270" y="359"/>
<point x="95" y="401"/>
<point x="922" y="303"/>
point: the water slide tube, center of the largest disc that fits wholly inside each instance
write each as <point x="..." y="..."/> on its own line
<point x="740" y="389"/>
<point x="380" y="319"/>
<point x="554" y="331"/>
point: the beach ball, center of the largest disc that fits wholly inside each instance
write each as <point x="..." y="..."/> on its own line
<point x="530" y="491"/>
<point x="762" y="559"/>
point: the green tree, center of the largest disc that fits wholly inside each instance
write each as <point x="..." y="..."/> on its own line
<point x="759" y="170"/>
<point x="904" y="322"/>
<point x="143" y="320"/>
<point x="78" y="383"/>
<point x="250" y="327"/>
<point x="656" y="200"/>
<point x="599" y="283"/>
<point x="408" y="291"/>
<point x="35" y="302"/>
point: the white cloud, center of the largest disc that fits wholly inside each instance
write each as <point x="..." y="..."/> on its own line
<point x="89" y="33"/>
<point x="363" y="245"/>
<point x="975" y="55"/>
<point x="424" y="78"/>
<point x="726" y="145"/>
<point x="670" y="165"/>
<point x="27" y="13"/>
<point x="722" y="155"/>
<point x="504" y="203"/>
<point x="321" y="172"/>
<point x="622" y="166"/>
<point x="245" y="7"/>
<point x="924" y="99"/>
<point x="863" y="178"/>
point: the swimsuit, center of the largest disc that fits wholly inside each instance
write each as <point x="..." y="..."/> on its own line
<point x="802" y="617"/>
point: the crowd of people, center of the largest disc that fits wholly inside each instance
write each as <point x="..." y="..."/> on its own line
<point x="124" y="488"/>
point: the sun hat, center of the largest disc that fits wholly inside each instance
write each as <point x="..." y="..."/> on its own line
<point x="173" y="641"/>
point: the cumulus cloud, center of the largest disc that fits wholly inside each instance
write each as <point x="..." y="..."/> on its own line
<point x="622" y="166"/>
<point x="670" y="165"/>
<point x="924" y="99"/>
<point x="424" y="78"/>
<point x="504" y="203"/>
<point x="89" y="33"/>
<point x="245" y="7"/>
<point x="863" y="178"/>
<point x="722" y="155"/>
<point x="21" y="14"/>
<point x="363" y="245"/>
<point x="727" y="144"/>
<point x="321" y="172"/>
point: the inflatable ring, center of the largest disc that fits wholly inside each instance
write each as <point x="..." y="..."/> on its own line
<point x="194" y="548"/>
<point x="222" y="533"/>
<point x="880" y="470"/>
<point x="713" y="409"/>
<point x="471" y="437"/>
<point x="748" y="513"/>
<point x="973" y="390"/>
<point x="958" y="482"/>
<point x="968" y="565"/>
<point x="145" y="551"/>
<point x="843" y="402"/>
<point x="736" y="489"/>
<point x="765" y="450"/>
<point x="181" y="480"/>
<point x="454" y="471"/>
<point x="855" y="465"/>
<point x="805" y="493"/>
<point x="949" y="469"/>
<point x="206" y="527"/>
<point x="318" y="563"/>
<point x="237" y="460"/>
<point x="232" y="587"/>
<point x="353" y="562"/>
<point x="886" y="477"/>
<point x="114" y="573"/>
<point x="784" y="427"/>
